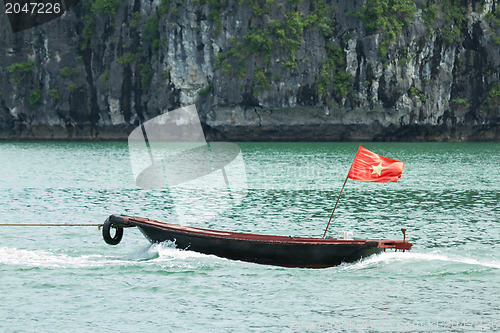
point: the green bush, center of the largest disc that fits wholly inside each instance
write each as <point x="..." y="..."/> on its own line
<point x="66" y="72"/>
<point x="333" y="74"/>
<point x="294" y="24"/>
<point x="54" y="94"/>
<point x="128" y="58"/>
<point x="73" y="86"/>
<point x="387" y="16"/>
<point x="286" y="32"/>
<point x="321" y="17"/>
<point x="88" y="30"/>
<point x="205" y="91"/>
<point x="492" y="102"/>
<point x="20" y="69"/>
<point x="136" y="21"/>
<point x="430" y="14"/>
<point x="258" y="41"/>
<point x="146" y="73"/>
<point x="35" y="98"/>
<point x="214" y="13"/>
<point x="496" y="39"/>
<point x="92" y="9"/>
<point x="260" y="80"/>
<point x="106" y="7"/>
<point x="150" y="34"/>
<point x="164" y="6"/>
<point x="226" y="69"/>
<point x="413" y="92"/>
<point x="23" y="67"/>
<point x="454" y="17"/>
<point x="460" y="103"/>
<point x="105" y="80"/>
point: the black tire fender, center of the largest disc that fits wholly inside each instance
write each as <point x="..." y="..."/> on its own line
<point x="106" y="233"/>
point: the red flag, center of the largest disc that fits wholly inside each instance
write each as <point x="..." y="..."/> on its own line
<point x="370" y="167"/>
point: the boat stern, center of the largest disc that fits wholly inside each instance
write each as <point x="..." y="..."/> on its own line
<point x="402" y="245"/>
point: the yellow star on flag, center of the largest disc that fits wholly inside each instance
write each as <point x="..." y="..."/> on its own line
<point x="378" y="169"/>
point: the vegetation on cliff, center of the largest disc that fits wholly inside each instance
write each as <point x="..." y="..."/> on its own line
<point x="277" y="30"/>
<point x="431" y="62"/>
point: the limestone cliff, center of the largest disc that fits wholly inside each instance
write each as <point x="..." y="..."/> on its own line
<point x="258" y="69"/>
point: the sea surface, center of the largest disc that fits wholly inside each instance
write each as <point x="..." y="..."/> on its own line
<point x="62" y="278"/>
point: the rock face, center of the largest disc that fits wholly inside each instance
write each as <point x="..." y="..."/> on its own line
<point x="258" y="70"/>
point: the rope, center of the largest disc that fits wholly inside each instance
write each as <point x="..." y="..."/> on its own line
<point x="49" y="225"/>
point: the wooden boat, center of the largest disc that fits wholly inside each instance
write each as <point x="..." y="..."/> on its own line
<point x="262" y="249"/>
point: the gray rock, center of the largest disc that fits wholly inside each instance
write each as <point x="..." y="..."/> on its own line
<point x="132" y="68"/>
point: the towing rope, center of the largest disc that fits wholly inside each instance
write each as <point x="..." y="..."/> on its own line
<point x="49" y="225"/>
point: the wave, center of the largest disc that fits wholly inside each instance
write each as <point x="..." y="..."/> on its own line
<point x="45" y="258"/>
<point x="415" y="257"/>
<point x="155" y="254"/>
<point x="166" y="255"/>
<point x="168" y="251"/>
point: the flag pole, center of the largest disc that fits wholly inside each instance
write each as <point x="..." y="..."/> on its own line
<point x="335" y="206"/>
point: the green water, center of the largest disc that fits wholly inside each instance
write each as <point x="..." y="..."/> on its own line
<point x="67" y="279"/>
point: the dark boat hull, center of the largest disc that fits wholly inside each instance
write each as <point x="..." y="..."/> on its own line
<point x="262" y="252"/>
<point x="262" y="249"/>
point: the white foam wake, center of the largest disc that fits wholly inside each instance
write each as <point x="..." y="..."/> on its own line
<point x="412" y="257"/>
<point x="166" y="254"/>
<point x="43" y="258"/>
<point x="152" y="255"/>
<point x="168" y="251"/>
